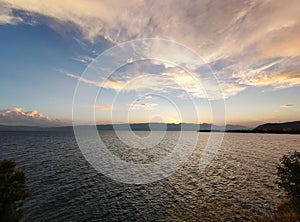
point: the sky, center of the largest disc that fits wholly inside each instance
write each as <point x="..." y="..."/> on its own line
<point x="57" y="59"/>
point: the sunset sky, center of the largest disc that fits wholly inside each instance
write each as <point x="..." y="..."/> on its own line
<point x="252" y="47"/>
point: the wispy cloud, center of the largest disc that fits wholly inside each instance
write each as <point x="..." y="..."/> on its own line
<point x="108" y="83"/>
<point x="7" y="17"/>
<point x="148" y="97"/>
<point x="287" y="105"/>
<point x="84" y="59"/>
<point x="277" y="80"/>
<point x="104" y="108"/>
<point x="231" y="89"/>
<point x="173" y="79"/>
<point x="18" y="116"/>
<point x="90" y="82"/>
<point x="93" y="18"/>
<point x="138" y="106"/>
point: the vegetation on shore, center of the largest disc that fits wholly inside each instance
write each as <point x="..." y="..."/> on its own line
<point x="288" y="173"/>
<point x="12" y="191"/>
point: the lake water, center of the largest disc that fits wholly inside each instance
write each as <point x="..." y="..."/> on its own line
<point x="238" y="184"/>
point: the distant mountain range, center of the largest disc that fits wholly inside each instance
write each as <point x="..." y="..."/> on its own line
<point x="288" y="127"/>
<point x="21" y="128"/>
<point x="171" y="127"/>
<point x="135" y="126"/>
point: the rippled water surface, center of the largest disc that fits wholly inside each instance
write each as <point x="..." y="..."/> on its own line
<point x="238" y="184"/>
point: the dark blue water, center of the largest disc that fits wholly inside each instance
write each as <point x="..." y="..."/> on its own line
<point x="238" y="185"/>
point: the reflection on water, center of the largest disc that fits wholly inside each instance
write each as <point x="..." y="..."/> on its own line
<point x="237" y="185"/>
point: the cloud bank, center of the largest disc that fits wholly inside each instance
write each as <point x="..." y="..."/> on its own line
<point x="20" y="117"/>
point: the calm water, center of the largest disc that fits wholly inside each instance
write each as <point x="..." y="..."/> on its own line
<point x="239" y="184"/>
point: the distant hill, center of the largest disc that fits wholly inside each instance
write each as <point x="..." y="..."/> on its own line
<point x="288" y="127"/>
